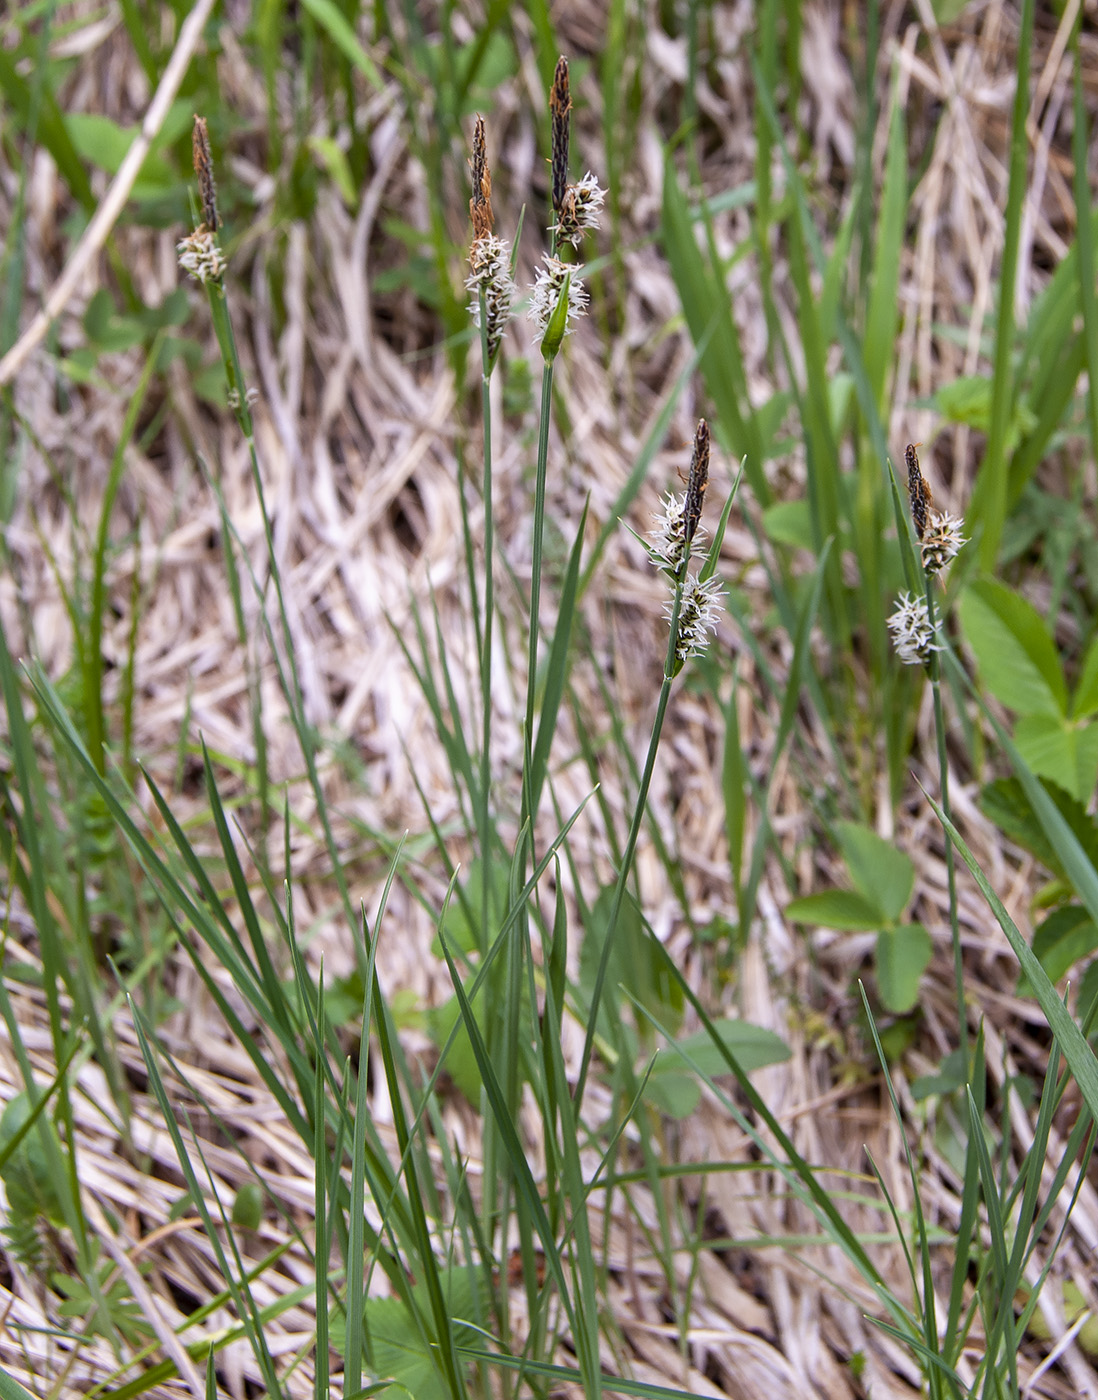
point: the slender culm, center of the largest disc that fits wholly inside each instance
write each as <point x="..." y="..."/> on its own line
<point x="697" y="481"/>
<point x="560" y="106"/>
<point x="203" y="168"/>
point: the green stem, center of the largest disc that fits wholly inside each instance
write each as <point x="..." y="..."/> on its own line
<point x="951" y="875"/>
<point x="489" y="607"/>
<point x="634" y="834"/>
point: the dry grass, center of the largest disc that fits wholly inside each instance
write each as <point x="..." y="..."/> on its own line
<point x="359" y="424"/>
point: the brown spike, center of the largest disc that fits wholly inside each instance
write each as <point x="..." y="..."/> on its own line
<point x="480" y="206"/>
<point x="203" y="168"/>
<point x="560" y="105"/>
<point x="697" y="482"/>
<point x="917" y="489"/>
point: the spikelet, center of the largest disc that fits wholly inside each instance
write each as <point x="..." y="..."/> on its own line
<point x="697" y="481"/>
<point x="203" y="168"/>
<point x="560" y="107"/>
<point x="917" y="489"/>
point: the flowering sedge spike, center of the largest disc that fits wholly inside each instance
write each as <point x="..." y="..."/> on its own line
<point x="480" y="206"/>
<point x="698" y="616"/>
<point x="560" y="106"/>
<point x="668" y="548"/>
<point x="579" y="210"/>
<point x="912" y="633"/>
<point x="199" y="253"/>
<point x="557" y="285"/>
<point x="917" y="490"/>
<point x="677" y="528"/>
<point x="697" y="481"/>
<point x="489" y="256"/>
<point x="942" y="542"/>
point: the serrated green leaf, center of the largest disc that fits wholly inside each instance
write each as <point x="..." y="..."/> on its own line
<point x="1017" y="658"/>
<point x="903" y="954"/>
<point x="1066" y="936"/>
<point x="1006" y="804"/>
<point x="844" y="909"/>
<point x="880" y="871"/>
<point x="1057" y="748"/>
<point x="1084" y="702"/>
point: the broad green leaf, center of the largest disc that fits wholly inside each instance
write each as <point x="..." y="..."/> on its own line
<point x="1058" y="749"/>
<point x="903" y="954"/>
<point x="400" y="1351"/>
<point x="674" y="1093"/>
<point x="104" y="143"/>
<point x="673" y="1085"/>
<point x="952" y="1074"/>
<point x="635" y="962"/>
<point x="1007" y="805"/>
<point x="790" y="522"/>
<point x="753" y="1046"/>
<point x="1077" y="1052"/>
<point x="461" y="920"/>
<point x="1016" y="655"/>
<point x="1066" y="936"/>
<point x="968" y="400"/>
<point x="845" y="909"/>
<point x="880" y="871"/>
<point x="1085" y="700"/>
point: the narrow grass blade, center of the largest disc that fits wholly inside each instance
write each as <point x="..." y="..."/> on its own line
<point x="523" y="1177"/>
<point x="989" y="502"/>
<point x="1080" y="1057"/>
<point x="556" y="670"/>
<point x="708" y="313"/>
<point x="242" y="1296"/>
<point x="438" y="1329"/>
<point x="1084" y="238"/>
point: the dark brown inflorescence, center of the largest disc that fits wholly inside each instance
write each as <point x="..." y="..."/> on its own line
<point x="918" y="490"/>
<point x="480" y="206"/>
<point x="203" y="168"/>
<point x="560" y="106"/>
<point x="697" y="481"/>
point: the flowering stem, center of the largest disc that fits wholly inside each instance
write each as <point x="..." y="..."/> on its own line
<point x="634" y="834"/>
<point x="487" y="622"/>
<point x="951" y="874"/>
<point x="535" y="596"/>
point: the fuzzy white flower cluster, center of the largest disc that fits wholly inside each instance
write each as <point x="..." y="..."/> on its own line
<point x="698" y="616"/>
<point x="668" y="540"/>
<point x="201" y="256"/>
<point x="942" y="541"/>
<point x="579" y="210"/>
<point x="912" y="633"/>
<point x="490" y="259"/>
<point x="546" y="293"/>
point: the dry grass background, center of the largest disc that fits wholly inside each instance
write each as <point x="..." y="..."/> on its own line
<point x="360" y="424"/>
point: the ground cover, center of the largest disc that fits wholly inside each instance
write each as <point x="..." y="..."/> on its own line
<point x="548" y="853"/>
